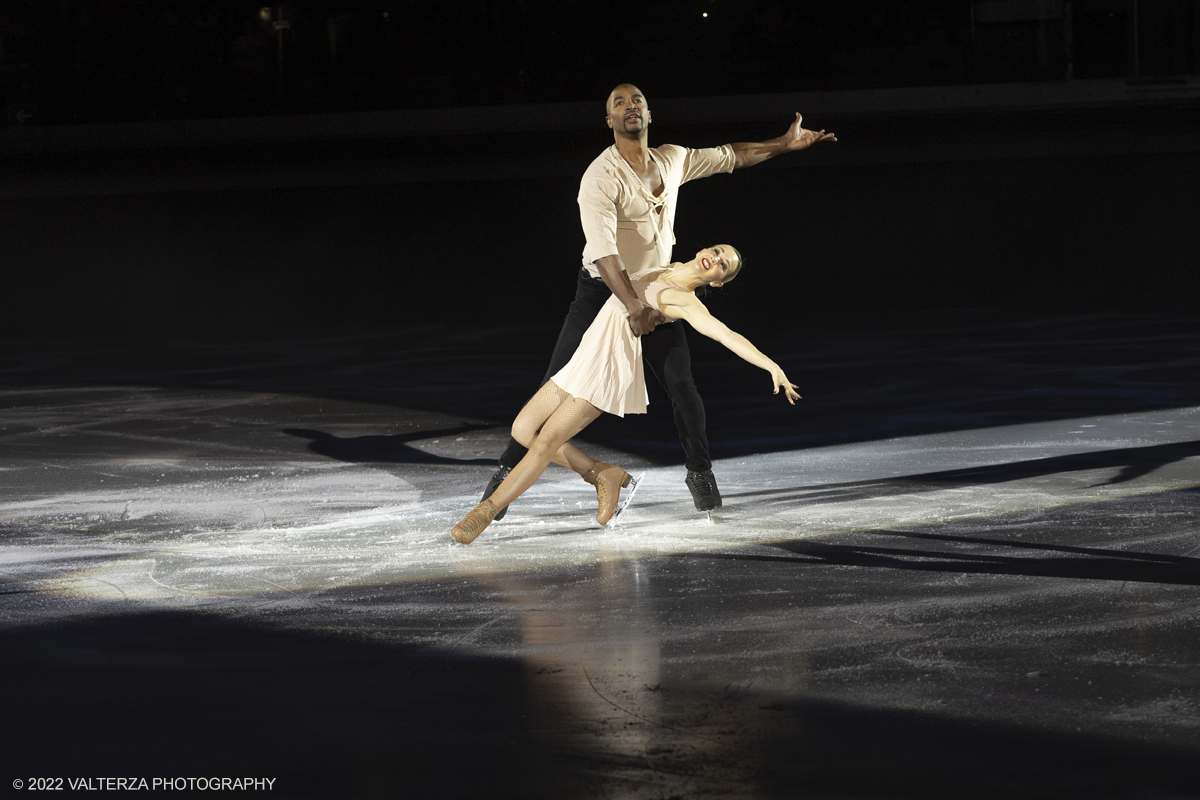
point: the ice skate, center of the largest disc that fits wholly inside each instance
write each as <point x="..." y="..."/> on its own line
<point x="608" y="480"/>
<point x="472" y="524"/>
<point x="633" y="484"/>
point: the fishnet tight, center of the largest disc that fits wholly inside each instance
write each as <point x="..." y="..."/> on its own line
<point x="545" y="426"/>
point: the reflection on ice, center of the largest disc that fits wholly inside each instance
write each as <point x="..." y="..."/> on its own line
<point x="191" y="530"/>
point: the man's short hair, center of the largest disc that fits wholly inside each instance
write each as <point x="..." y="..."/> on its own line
<point x="613" y="89"/>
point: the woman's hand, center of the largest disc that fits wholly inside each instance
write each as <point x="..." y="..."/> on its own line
<point x="789" y="389"/>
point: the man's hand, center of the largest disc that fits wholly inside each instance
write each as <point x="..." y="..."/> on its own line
<point x="643" y="321"/>
<point x="747" y="154"/>
<point x="797" y="138"/>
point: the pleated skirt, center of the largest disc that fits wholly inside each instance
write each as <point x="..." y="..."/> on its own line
<point x="606" y="369"/>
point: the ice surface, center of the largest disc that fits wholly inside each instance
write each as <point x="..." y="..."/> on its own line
<point x="271" y="519"/>
<point x="870" y="606"/>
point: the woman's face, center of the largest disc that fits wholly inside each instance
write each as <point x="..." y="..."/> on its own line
<point x="716" y="262"/>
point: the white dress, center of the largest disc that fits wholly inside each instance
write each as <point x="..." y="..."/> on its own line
<point x="606" y="369"/>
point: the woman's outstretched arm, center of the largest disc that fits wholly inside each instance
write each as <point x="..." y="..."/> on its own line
<point x="699" y="317"/>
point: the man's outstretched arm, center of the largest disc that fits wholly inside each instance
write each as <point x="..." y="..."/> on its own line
<point x="642" y="319"/>
<point x="747" y="154"/>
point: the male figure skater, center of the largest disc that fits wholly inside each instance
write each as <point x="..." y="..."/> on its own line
<point x="627" y="207"/>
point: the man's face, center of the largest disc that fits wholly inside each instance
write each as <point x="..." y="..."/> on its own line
<point x="628" y="111"/>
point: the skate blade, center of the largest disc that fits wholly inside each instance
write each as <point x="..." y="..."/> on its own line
<point x="634" y="483"/>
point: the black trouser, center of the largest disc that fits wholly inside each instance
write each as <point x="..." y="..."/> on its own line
<point x="665" y="351"/>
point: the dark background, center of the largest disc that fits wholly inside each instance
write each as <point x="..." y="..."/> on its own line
<point x="126" y="60"/>
<point x="227" y="170"/>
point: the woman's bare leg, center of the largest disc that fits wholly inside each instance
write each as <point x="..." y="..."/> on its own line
<point x="545" y="426"/>
<point x="533" y="416"/>
<point x="550" y="443"/>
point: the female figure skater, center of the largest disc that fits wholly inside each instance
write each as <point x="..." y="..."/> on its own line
<point x="606" y="374"/>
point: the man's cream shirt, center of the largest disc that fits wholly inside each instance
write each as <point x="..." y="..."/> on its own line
<point x="621" y="216"/>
